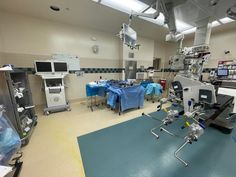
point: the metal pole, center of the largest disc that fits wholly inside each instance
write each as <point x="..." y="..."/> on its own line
<point x="179" y="149"/>
<point x="153" y="129"/>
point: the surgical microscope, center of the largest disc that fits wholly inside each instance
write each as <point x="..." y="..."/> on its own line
<point x="201" y="104"/>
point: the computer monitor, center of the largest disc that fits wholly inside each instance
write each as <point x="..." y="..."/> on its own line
<point x="205" y="96"/>
<point x="43" y="67"/>
<point x="60" y="67"/>
<point x="130" y="36"/>
<point x="177" y="87"/>
<point x="222" y="72"/>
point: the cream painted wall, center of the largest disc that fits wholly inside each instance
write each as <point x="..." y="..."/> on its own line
<point x="26" y="39"/>
<point x="28" y="35"/>
<point x="143" y="56"/>
<point x="1" y="49"/>
<point x="159" y="52"/>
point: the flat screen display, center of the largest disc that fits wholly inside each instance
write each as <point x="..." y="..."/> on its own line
<point x="222" y="72"/>
<point x="60" y="67"/>
<point x="130" y="36"/>
<point x="43" y="66"/>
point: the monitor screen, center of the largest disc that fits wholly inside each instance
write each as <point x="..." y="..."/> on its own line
<point x="60" y="67"/>
<point x="222" y="72"/>
<point x="130" y="36"/>
<point x="43" y="66"/>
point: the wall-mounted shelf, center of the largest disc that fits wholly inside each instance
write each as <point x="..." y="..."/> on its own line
<point x="230" y="65"/>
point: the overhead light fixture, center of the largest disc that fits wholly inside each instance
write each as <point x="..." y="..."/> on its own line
<point x="150" y="11"/>
<point x="98" y="1"/>
<point x="125" y="5"/>
<point x="54" y="8"/>
<point x="226" y="20"/>
<point x="215" y="23"/>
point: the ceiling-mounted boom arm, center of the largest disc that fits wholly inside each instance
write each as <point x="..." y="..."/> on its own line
<point x="147" y="15"/>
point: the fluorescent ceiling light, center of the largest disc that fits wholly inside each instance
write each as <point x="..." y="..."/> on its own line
<point x="215" y="23"/>
<point x="126" y="5"/>
<point x="226" y="20"/>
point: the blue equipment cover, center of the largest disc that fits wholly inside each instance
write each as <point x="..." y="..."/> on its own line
<point x="96" y="89"/>
<point x="145" y="83"/>
<point x="9" y="141"/>
<point x="114" y="93"/>
<point x="129" y="97"/>
<point x="153" y="89"/>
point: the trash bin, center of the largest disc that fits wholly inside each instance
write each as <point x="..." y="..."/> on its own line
<point x="163" y="83"/>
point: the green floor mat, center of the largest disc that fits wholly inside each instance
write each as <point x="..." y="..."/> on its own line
<point x="130" y="150"/>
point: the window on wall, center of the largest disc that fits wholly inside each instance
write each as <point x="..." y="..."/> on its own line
<point x="156" y="63"/>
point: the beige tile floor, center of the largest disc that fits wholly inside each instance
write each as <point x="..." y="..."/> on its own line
<point x="53" y="150"/>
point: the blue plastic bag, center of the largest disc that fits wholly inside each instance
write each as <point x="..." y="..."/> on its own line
<point x="9" y="140"/>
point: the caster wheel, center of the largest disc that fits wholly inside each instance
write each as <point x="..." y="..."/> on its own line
<point x="153" y="101"/>
<point x="68" y="109"/>
<point x="36" y="123"/>
<point x="24" y="142"/>
<point x="47" y="113"/>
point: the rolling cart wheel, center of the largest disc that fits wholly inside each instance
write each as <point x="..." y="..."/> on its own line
<point x="68" y="109"/>
<point x="153" y="101"/>
<point x="36" y="123"/>
<point x="25" y="142"/>
<point x="47" y="113"/>
<point x="119" y="113"/>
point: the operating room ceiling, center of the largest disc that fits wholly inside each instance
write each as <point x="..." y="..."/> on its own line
<point x="100" y="17"/>
<point x="83" y="13"/>
<point x="188" y="13"/>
